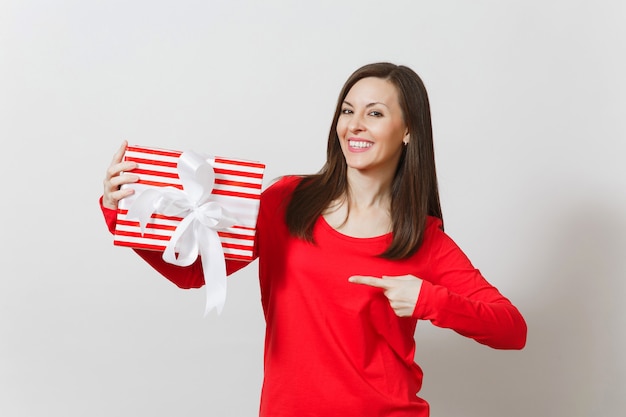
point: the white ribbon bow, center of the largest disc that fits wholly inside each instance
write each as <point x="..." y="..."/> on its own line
<point x="197" y="232"/>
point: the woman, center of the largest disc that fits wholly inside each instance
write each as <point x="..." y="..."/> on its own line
<point x="371" y="217"/>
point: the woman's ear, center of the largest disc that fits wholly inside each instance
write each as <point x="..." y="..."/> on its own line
<point x="407" y="138"/>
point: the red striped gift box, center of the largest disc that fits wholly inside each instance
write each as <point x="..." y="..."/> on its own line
<point x="237" y="188"/>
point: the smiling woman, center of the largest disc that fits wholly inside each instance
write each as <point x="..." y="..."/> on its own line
<point x="404" y="191"/>
<point x="372" y="217"/>
<point x="371" y="128"/>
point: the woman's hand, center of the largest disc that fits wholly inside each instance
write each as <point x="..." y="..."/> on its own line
<point x="114" y="179"/>
<point x="402" y="291"/>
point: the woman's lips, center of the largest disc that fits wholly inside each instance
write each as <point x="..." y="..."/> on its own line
<point x="359" y="145"/>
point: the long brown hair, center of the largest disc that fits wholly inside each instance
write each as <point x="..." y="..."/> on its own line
<point x="414" y="190"/>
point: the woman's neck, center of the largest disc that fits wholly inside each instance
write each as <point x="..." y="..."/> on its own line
<point x="368" y="191"/>
<point x="364" y="211"/>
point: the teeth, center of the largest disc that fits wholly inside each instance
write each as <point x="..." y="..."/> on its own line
<point x="359" y="144"/>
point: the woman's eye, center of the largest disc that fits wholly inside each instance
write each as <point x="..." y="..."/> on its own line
<point x="346" y="111"/>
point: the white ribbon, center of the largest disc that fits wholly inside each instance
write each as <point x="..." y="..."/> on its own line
<point x="197" y="232"/>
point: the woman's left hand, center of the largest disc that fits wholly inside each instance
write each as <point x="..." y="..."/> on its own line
<point x="401" y="291"/>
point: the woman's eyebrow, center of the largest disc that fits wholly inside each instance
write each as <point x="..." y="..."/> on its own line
<point x="375" y="103"/>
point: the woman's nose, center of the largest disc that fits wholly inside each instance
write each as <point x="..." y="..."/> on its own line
<point x="356" y="123"/>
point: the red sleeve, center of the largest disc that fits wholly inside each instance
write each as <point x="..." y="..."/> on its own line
<point x="459" y="298"/>
<point x="183" y="276"/>
<point x="110" y="217"/>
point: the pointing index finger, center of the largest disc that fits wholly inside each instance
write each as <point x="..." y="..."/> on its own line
<point x="371" y="281"/>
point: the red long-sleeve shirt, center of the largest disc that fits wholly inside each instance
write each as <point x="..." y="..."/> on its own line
<point x="335" y="348"/>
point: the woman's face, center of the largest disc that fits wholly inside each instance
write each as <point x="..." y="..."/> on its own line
<point x="371" y="127"/>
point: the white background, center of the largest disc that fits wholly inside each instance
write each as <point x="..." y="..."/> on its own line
<point x="528" y="103"/>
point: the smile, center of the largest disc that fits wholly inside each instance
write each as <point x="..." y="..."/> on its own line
<point x="360" y="144"/>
